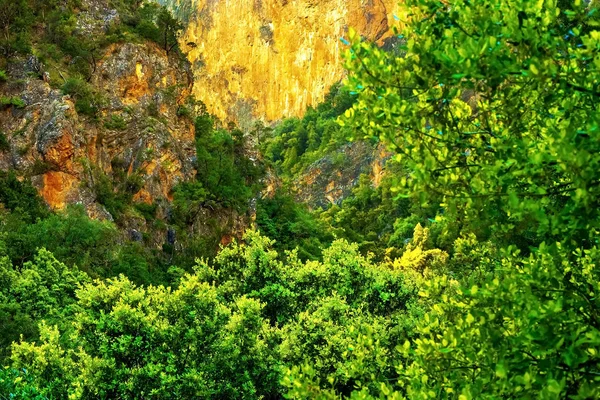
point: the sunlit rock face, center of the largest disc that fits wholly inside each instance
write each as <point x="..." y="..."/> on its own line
<point x="270" y="59"/>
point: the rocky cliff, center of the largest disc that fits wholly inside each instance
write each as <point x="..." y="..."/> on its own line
<point x="271" y="58"/>
<point x="331" y="179"/>
<point x="136" y="134"/>
<point x="246" y="59"/>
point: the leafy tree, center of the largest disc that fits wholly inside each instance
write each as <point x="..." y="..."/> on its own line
<point x="494" y="110"/>
<point x="87" y="101"/>
<point x="296" y="143"/>
<point x="21" y="197"/>
<point x="43" y="288"/>
<point x="18" y="385"/>
<point x="137" y="342"/>
<point x="16" y="21"/>
<point x="292" y="226"/>
<point x="223" y="167"/>
<point x="530" y="330"/>
<point x="156" y="23"/>
<point x="71" y="236"/>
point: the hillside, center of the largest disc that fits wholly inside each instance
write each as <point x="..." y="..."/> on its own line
<point x="207" y="199"/>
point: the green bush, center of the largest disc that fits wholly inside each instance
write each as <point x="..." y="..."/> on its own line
<point x="223" y="169"/>
<point x="292" y="226"/>
<point x="87" y="102"/>
<point x="12" y="101"/>
<point x="4" y="144"/>
<point x="296" y="143"/>
<point x="20" y="196"/>
<point x="18" y="385"/>
<point x="148" y="211"/>
<point x="116" y="122"/>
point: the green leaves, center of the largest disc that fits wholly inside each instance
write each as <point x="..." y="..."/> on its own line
<point x="498" y="87"/>
<point x="125" y="338"/>
<point x="526" y="331"/>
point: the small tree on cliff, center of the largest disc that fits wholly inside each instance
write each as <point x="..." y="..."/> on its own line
<point x="158" y="24"/>
<point x="170" y="29"/>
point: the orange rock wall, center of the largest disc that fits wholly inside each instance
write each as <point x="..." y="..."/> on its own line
<point x="273" y="58"/>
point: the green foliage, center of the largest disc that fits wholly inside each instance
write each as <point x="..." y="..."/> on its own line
<point x="4" y="144"/>
<point x="376" y="217"/>
<point x="224" y="170"/>
<point x="16" y="20"/>
<point x="530" y="330"/>
<point x="189" y="198"/>
<point x="154" y="22"/>
<point x="326" y="337"/>
<point x="50" y="30"/>
<point x="296" y="143"/>
<point x="40" y="167"/>
<point x="21" y="197"/>
<point x="148" y="211"/>
<point x="71" y="236"/>
<point x="43" y="288"/>
<point x="115" y="122"/>
<point x="87" y="101"/>
<point x="18" y="385"/>
<point x="255" y="269"/>
<point x="292" y="226"/>
<point x="133" y="342"/>
<point x="94" y="246"/>
<point x="114" y="201"/>
<point x="492" y="107"/>
<point x="13" y="101"/>
<point x="324" y="306"/>
<point x="494" y="111"/>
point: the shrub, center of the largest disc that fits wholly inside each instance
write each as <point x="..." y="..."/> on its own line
<point x="115" y="122"/>
<point x="4" y="145"/>
<point x="12" y="101"/>
<point x="87" y="101"/>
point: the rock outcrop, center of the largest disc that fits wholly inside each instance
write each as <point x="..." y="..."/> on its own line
<point x="272" y="58"/>
<point x="331" y="179"/>
<point x="247" y="59"/>
<point x="138" y="131"/>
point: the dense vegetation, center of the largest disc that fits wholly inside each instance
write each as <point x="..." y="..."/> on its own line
<point x="474" y="268"/>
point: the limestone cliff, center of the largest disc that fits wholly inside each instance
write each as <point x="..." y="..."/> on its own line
<point x="271" y="58"/>
<point x="63" y="152"/>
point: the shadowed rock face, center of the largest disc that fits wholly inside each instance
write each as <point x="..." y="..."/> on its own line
<point x="331" y="179"/>
<point x="272" y="58"/>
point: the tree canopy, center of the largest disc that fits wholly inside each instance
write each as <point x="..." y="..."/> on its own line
<point x="475" y="273"/>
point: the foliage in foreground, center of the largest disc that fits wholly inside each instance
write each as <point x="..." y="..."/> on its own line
<point x="493" y="107"/>
<point x="226" y="331"/>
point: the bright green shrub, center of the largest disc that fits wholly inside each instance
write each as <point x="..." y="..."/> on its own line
<point x="43" y="288"/>
<point x="134" y="342"/>
<point x="18" y="385"/>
